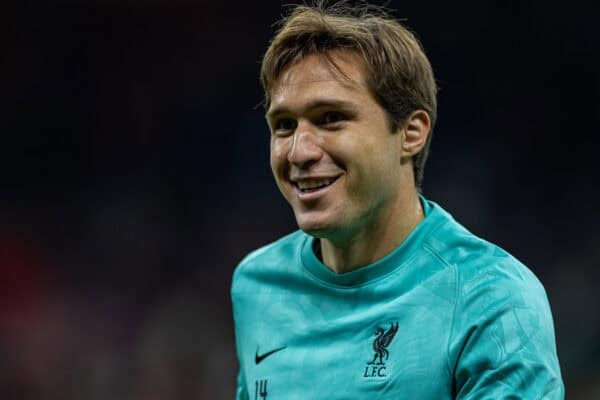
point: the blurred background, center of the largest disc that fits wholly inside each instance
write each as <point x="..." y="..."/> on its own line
<point x="134" y="176"/>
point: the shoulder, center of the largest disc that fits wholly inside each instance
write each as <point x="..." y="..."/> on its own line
<point x="494" y="290"/>
<point x="502" y="326"/>
<point x="275" y="257"/>
<point x="273" y="252"/>
<point x="477" y="261"/>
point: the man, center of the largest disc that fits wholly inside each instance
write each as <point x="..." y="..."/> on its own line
<point x="381" y="294"/>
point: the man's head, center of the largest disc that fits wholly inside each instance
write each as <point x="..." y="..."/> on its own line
<point x="396" y="70"/>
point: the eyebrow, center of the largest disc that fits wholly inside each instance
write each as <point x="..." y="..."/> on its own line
<point x="315" y="104"/>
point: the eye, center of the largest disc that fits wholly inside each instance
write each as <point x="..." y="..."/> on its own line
<point x="284" y="126"/>
<point x="332" y="117"/>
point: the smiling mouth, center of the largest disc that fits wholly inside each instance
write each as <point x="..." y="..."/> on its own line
<point x="313" y="185"/>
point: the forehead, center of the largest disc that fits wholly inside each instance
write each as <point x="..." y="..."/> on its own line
<point x="341" y="77"/>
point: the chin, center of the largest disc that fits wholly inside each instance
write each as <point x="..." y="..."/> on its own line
<point x="320" y="228"/>
<point x="318" y="233"/>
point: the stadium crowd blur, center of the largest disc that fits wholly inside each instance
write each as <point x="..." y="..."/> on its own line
<point x="135" y="175"/>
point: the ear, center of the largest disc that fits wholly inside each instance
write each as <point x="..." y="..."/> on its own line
<point x="415" y="132"/>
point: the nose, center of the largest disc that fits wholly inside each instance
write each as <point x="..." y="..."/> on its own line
<point x="305" y="147"/>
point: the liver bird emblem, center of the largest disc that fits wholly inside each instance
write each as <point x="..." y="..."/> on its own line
<point x="382" y="341"/>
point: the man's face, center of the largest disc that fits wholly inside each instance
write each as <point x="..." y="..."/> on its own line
<point x="332" y="153"/>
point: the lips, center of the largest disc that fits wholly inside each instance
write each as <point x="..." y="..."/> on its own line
<point x="313" y="188"/>
<point x="314" y="184"/>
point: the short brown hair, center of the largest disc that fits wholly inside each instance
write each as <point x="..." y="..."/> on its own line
<point x="398" y="73"/>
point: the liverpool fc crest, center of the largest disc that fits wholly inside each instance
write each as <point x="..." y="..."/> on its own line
<point x="383" y="338"/>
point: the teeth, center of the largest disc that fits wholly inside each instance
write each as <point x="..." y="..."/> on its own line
<point x="314" y="183"/>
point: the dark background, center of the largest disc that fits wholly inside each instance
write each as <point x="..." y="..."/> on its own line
<point x="134" y="176"/>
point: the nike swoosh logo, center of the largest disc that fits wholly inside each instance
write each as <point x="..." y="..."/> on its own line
<point x="259" y="358"/>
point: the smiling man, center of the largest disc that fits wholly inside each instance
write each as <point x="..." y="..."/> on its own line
<point x="347" y="178"/>
<point x="381" y="293"/>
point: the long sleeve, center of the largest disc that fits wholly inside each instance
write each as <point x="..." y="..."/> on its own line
<point x="241" y="393"/>
<point x="503" y="344"/>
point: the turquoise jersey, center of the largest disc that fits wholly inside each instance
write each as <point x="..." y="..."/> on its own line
<point x="446" y="315"/>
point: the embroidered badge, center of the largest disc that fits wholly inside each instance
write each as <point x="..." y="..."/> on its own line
<point x="377" y="368"/>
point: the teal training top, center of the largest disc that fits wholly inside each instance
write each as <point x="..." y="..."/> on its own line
<point x="446" y="315"/>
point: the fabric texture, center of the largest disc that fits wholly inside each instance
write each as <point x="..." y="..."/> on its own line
<point x="446" y="315"/>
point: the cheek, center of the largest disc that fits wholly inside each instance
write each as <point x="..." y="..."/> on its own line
<point x="373" y="168"/>
<point x="278" y="156"/>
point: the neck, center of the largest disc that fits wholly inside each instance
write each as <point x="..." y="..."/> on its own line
<point x="373" y="242"/>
